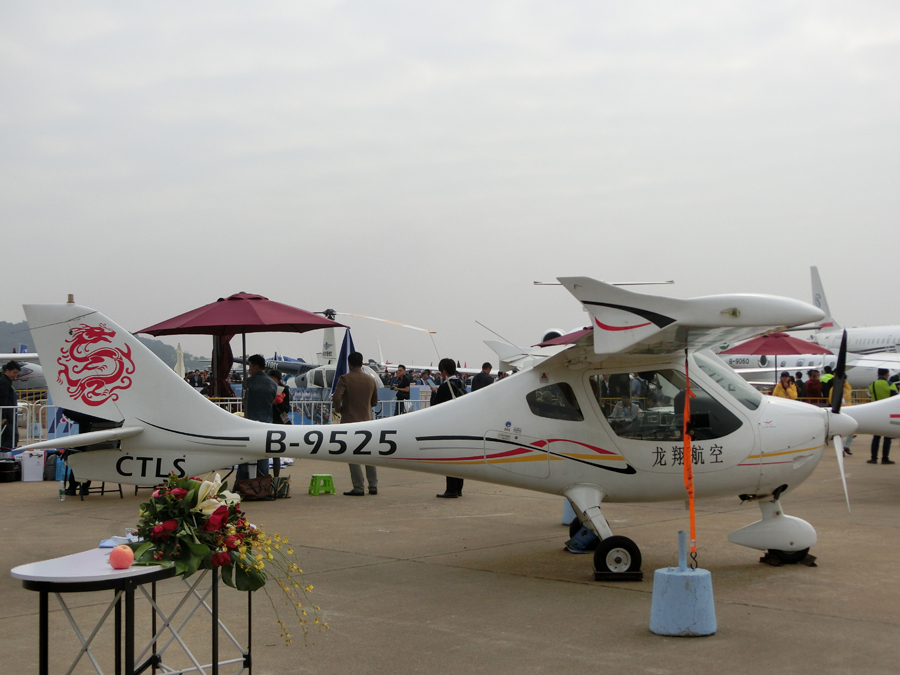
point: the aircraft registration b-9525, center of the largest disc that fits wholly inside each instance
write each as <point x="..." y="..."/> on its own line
<point x="551" y="429"/>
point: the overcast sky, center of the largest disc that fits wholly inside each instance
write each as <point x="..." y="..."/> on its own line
<point x="426" y="162"/>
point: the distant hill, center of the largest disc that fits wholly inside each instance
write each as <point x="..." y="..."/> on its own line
<point x="14" y="334"/>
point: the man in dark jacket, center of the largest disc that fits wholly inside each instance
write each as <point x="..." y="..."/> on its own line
<point x="451" y="388"/>
<point x="483" y="378"/>
<point x="261" y="390"/>
<point x="8" y="402"/>
<point x="355" y="394"/>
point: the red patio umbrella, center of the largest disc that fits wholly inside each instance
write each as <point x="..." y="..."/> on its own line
<point x="776" y="344"/>
<point x="239" y="313"/>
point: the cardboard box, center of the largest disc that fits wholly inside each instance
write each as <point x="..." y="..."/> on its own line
<point x="32" y="462"/>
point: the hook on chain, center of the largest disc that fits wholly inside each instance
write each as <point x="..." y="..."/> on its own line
<point x="693" y="564"/>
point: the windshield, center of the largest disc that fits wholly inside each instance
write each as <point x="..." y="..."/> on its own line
<point x="649" y="406"/>
<point x="729" y="380"/>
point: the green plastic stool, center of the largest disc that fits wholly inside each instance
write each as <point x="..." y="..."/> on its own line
<point x="321" y="484"/>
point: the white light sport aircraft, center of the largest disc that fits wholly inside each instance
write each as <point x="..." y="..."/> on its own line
<point x="548" y="429"/>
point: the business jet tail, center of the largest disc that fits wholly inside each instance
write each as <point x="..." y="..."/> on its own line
<point x="819" y="300"/>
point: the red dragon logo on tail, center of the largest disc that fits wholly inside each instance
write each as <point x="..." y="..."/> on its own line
<point x="92" y="371"/>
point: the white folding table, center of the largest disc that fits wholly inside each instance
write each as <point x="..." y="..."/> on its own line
<point x="90" y="571"/>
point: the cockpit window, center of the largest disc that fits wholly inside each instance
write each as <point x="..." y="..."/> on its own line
<point x="649" y="406"/>
<point x="729" y="380"/>
<point x="555" y="401"/>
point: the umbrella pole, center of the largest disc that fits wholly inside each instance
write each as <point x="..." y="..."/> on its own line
<point x="215" y="368"/>
<point x="244" y="379"/>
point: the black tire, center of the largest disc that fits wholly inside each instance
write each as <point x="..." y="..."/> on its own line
<point x="616" y="555"/>
<point x="789" y="557"/>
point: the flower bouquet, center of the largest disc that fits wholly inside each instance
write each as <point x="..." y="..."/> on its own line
<point x="192" y="524"/>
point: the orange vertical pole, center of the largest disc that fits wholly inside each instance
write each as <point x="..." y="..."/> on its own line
<point x="689" y="455"/>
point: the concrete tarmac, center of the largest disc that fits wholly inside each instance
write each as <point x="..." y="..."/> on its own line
<point x="413" y="584"/>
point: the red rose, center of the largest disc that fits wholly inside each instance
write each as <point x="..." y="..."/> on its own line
<point x="178" y="493"/>
<point x="220" y="559"/>
<point x="218" y="518"/>
<point x="159" y="533"/>
<point x="171" y="525"/>
<point x="232" y="542"/>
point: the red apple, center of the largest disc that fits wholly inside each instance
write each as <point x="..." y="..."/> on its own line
<point x="121" y="557"/>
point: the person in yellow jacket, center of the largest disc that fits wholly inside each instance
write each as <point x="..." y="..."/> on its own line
<point x="785" y="389"/>
<point x="878" y="390"/>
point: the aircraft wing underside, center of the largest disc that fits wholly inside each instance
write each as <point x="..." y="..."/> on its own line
<point x="629" y="323"/>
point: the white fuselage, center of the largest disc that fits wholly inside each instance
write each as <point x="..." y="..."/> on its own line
<point x="861" y="369"/>
<point x="876" y="339"/>
<point x="493" y="435"/>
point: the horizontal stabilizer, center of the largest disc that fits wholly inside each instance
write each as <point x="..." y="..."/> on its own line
<point x="518" y="358"/>
<point x="879" y="418"/>
<point x="635" y="323"/>
<point x="90" y="438"/>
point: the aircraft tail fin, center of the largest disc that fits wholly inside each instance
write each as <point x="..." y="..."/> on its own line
<point x="819" y="300"/>
<point x="94" y="366"/>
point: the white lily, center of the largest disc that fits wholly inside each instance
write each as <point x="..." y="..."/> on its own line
<point x="230" y="497"/>
<point x="208" y="507"/>
<point x="207" y="491"/>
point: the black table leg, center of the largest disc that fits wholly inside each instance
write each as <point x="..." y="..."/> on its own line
<point x="215" y="621"/>
<point x="153" y="629"/>
<point x="43" y="639"/>
<point x="129" y="629"/>
<point x="118" y="635"/>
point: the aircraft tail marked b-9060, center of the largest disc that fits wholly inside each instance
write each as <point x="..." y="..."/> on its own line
<point x="556" y="428"/>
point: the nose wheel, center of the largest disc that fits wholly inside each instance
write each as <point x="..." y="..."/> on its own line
<point x="617" y="559"/>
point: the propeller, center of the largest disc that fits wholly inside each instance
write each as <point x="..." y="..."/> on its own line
<point x="839" y="425"/>
<point x="331" y="314"/>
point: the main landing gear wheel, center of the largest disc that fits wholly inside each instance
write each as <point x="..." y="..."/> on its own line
<point x="617" y="555"/>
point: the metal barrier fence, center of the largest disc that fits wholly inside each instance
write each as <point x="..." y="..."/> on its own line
<point x="29" y="431"/>
<point x="320" y="412"/>
<point x="232" y="404"/>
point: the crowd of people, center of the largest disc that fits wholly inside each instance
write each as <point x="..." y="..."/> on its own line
<point x="817" y="389"/>
<point x="432" y="378"/>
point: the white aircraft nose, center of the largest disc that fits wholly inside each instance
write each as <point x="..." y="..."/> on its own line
<point x="841" y="425"/>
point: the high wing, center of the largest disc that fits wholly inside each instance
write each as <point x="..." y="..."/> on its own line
<point x="24" y="356"/>
<point x="629" y="323"/>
